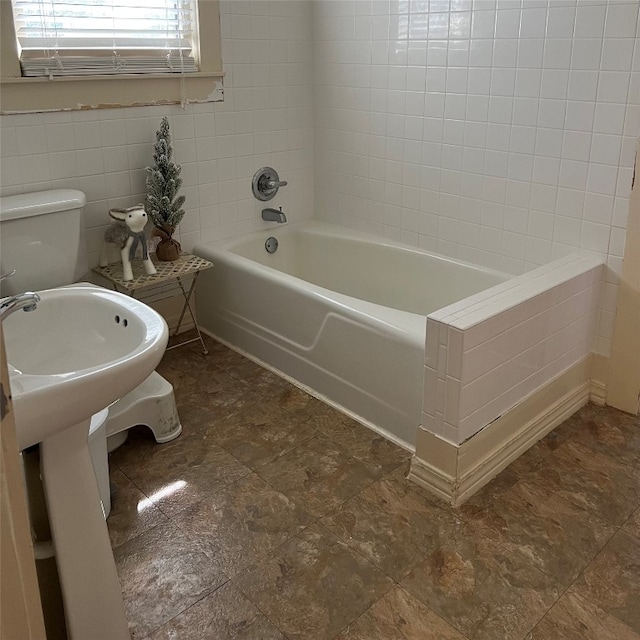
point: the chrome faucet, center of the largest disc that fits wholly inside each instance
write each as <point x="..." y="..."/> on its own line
<point x="28" y="301"/>
<point x="10" y="274"/>
<point x="274" y="215"/>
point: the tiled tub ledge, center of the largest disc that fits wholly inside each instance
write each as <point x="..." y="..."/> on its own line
<point x="502" y="369"/>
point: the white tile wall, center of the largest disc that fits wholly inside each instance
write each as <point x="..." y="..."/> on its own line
<point x="502" y="132"/>
<point x="266" y="119"/>
<point x="489" y="352"/>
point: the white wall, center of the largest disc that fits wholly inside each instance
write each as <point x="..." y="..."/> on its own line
<point x="502" y="131"/>
<point x="265" y="119"/>
<point x="499" y="131"/>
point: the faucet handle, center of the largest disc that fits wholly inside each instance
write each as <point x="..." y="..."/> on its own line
<point x="275" y="184"/>
<point x="9" y="274"/>
<point x="265" y="183"/>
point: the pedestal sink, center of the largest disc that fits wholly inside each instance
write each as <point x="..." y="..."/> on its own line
<point x="80" y="350"/>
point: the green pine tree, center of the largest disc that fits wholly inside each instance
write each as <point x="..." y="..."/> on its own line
<point x="163" y="183"/>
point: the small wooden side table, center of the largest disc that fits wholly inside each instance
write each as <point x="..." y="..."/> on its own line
<point x="170" y="279"/>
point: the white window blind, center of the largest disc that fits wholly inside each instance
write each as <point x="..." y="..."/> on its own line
<point x="105" y="37"/>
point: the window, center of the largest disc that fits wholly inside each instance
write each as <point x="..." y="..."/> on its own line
<point x="78" y="54"/>
<point x="83" y="37"/>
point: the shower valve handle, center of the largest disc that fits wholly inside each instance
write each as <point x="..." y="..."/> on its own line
<point x="274" y="184"/>
<point x="265" y="183"/>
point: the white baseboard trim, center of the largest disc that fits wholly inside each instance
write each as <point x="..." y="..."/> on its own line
<point x="599" y="379"/>
<point x="433" y="480"/>
<point x="598" y="393"/>
<point x="455" y="472"/>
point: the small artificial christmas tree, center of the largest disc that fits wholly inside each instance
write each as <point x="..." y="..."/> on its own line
<point x="161" y="204"/>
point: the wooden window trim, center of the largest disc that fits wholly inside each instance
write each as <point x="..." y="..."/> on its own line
<point x="20" y="95"/>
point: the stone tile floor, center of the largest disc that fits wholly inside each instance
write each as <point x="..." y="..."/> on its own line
<point x="274" y="516"/>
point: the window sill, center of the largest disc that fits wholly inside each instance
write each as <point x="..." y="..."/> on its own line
<point x="120" y="76"/>
<point x="21" y="95"/>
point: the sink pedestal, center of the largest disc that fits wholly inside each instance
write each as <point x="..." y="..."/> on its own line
<point x="88" y="578"/>
<point x="83" y="348"/>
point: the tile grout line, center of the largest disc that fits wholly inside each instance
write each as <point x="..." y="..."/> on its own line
<point x="206" y="595"/>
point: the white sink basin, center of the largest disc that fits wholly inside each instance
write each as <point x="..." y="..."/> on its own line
<point x="80" y="350"/>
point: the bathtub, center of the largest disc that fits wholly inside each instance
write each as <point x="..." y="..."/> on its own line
<point x="340" y="313"/>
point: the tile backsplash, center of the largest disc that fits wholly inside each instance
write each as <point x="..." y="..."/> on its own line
<point x="499" y="131"/>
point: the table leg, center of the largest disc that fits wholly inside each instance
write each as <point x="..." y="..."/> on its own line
<point x="187" y="305"/>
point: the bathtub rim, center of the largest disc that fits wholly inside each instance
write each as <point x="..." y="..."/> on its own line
<point x="408" y="327"/>
<point x="397" y="320"/>
<point x="324" y="228"/>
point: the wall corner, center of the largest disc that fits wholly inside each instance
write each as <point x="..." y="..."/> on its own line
<point x="623" y="384"/>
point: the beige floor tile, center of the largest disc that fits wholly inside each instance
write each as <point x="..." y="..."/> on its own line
<point x="392" y="526"/>
<point x="573" y="618"/>
<point x="318" y="475"/>
<point x="379" y="454"/>
<point x="218" y="392"/>
<point x="181" y="472"/>
<point x="399" y="616"/>
<point x="301" y="403"/>
<point x="609" y="431"/>
<point x="475" y="584"/>
<point x="612" y="580"/>
<point x="538" y="527"/>
<point x="242" y="523"/>
<point x="632" y="525"/>
<point x="313" y="586"/>
<point x="226" y="614"/>
<point x="260" y="432"/>
<point x="592" y="479"/>
<point x="162" y="573"/>
<point x="257" y="377"/>
<point x="132" y="513"/>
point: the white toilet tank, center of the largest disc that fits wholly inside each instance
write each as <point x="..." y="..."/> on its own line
<point x="42" y="238"/>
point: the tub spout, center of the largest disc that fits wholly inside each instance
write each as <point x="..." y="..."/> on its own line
<point x="274" y="215"/>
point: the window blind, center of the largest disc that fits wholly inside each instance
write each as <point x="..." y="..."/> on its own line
<point x="105" y="37"/>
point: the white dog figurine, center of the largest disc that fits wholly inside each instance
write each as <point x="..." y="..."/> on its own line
<point x="126" y="232"/>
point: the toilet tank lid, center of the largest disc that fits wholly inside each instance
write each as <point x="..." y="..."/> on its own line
<point x="38" y="203"/>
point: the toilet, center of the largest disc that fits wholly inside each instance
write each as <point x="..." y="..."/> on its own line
<point x="42" y="239"/>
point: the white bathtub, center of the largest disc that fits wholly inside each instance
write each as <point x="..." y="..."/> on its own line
<point x="341" y="313"/>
